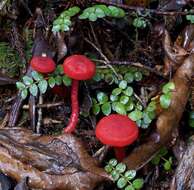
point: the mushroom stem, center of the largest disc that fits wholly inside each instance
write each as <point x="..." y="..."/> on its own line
<point x="119" y="153"/>
<point x="74" y="107"/>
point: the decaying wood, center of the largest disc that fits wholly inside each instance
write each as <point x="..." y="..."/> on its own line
<point x="184" y="175"/>
<point x="168" y="119"/>
<point x="50" y="162"/>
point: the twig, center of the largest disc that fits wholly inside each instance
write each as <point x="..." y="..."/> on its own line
<point x="39" y="115"/>
<point x="107" y="62"/>
<point x="153" y="11"/>
<point x="25" y="107"/>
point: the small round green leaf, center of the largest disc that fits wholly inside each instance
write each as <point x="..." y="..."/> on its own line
<point x="168" y="87"/>
<point x="95" y="109"/>
<point x="167" y="166"/>
<point x="165" y="100"/>
<point x="58" y="80"/>
<point x="66" y="80"/>
<point x="36" y="76"/>
<point x="123" y="84"/>
<point x="138" y="76"/>
<point x="121" y="167"/>
<point x="115" y="175"/>
<point x="20" y="85"/>
<point x="128" y="91"/>
<point x="130" y="174"/>
<point x="124" y="99"/>
<point x="24" y="93"/>
<point x="113" y="162"/>
<point x="99" y="13"/>
<point x="42" y="85"/>
<point x="108" y="168"/>
<point x="113" y="98"/>
<point x="116" y="91"/>
<point x="92" y="17"/>
<point x="122" y="182"/>
<point x="120" y="108"/>
<point x="102" y="97"/>
<point x="135" y="115"/>
<point x="51" y="82"/>
<point x="33" y="89"/>
<point x="129" y="77"/>
<point x="106" y="108"/>
<point x="155" y="160"/>
<point x="27" y="80"/>
<point x="138" y="183"/>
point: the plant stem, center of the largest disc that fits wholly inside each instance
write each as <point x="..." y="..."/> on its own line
<point x="119" y="153"/>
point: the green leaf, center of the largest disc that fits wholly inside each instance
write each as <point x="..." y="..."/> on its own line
<point x="121" y="167"/>
<point x="116" y="12"/>
<point x="167" y="166"/>
<point x="163" y="151"/>
<point x="99" y="13"/>
<point x="59" y="70"/>
<point x="108" y="168"/>
<point x="97" y="77"/>
<point x="36" y="76"/>
<point x="51" y="82"/>
<point x="130" y="174"/>
<point x="33" y="89"/>
<point x="24" y="93"/>
<point x="146" y="118"/>
<point x="138" y="76"/>
<point x="139" y="22"/>
<point x="135" y="115"/>
<point x="122" y="182"/>
<point x="42" y="85"/>
<point x="58" y="80"/>
<point x="113" y="162"/>
<point x="129" y="77"/>
<point x="128" y="91"/>
<point x="104" y="8"/>
<point x="106" y="108"/>
<point x="138" y="183"/>
<point x="84" y="15"/>
<point x="115" y="175"/>
<point x="123" y="84"/>
<point x="27" y="80"/>
<point x="113" y="98"/>
<point x="95" y="109"/>
<point x="129" y="187"/>
<point x="92" y="17"/>
<point x="67" y="81"/>
<point x="20" y="85"/>
<point x="56" y="28"/>
<point x="165" y="100"/>
<point x="109" y="78"/>
<point x="151" y="106"/>
<point x="120" y="108"/>
<point x="168" y="87"/>
<point x="155" y="160"/>
<point x="102" y="97"/>
<point x="124" y="99"/>
<point x="116" y="91"/>
<point x="191" y="115"/>
<point x="73" y="11"/>
<point x="191" y="123"/>
<point x="129" y="106"/>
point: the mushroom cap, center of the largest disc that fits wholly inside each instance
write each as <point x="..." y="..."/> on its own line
<point x="117" y="130"/>
<point x="42" y="64"/>
<point x="79" y="67"/>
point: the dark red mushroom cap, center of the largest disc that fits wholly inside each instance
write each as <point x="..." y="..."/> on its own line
<point x="116" y="130"/>
<point x="42" y="64"/>
<point x="79" y="67"/>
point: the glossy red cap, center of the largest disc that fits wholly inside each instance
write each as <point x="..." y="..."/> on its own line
<point x="42" y="64"/>
<point x="79" y="67"/>
<point x="117" y="130"/>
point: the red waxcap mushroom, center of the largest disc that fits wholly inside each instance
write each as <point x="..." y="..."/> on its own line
<point x="42" y="64"/>
<point x="77" y="67"/>
<point x="117" y="131"/>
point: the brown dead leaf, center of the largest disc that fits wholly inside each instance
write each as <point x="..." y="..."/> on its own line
<point x="50" y="163"/>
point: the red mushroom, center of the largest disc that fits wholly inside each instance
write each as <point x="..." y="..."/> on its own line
<point x="77" y="67"/>
<point x="117" y="131"/>
<point x="42" y="64"/>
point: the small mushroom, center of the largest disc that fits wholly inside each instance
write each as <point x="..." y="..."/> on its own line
<point x="117" y="131"/>
<point x="42" y="64"/>
<point x="77" y="67"/>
